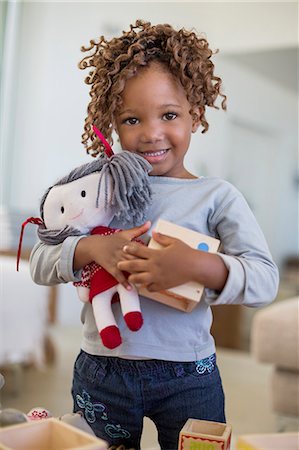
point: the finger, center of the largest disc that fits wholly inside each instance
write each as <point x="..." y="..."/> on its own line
<point x="151" y="287"/>
<point x="136" y="232"/>
<point x="163" y="239"/>
<point x="120" y="277"/>
<point x="126" y="257"/>
<point x="133" y="266"/>
<point x="136" y="250"/>
<point x="143" y="278"/>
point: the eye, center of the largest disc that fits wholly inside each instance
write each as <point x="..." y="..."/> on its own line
<point x="131" y="121"/>
<point x="170" y="116"/>
<point x="62" y="209"/>
<point x="83" y="193"/>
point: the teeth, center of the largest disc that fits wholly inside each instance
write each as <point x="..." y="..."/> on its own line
<point x="158" y="153"/>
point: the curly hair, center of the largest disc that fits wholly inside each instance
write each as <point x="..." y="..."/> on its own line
<point x="186" y="55"/>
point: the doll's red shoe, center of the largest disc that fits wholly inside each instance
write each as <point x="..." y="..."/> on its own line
<point x="134" y="320"/>
<point x="111" y="336"/>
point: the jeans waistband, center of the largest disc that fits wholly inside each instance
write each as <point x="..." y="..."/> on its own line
<point x="202" y="366"/>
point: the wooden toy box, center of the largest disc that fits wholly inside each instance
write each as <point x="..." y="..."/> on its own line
<point x="274" y="441"/>
<point x="184" y="297"/>
<point x="205" y="435"/>
<point x="48" y="434"/>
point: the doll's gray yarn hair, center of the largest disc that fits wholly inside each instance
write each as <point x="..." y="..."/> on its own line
<point x="131" y="192"/>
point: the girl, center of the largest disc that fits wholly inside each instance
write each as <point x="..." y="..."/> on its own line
<point x="152" y="86"/>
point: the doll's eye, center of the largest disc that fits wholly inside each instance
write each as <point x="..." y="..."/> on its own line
<point x="62" y="209"/>
<point x="83" y="193"/>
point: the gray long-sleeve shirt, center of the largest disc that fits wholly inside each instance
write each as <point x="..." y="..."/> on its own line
<point x="207" y="205"/>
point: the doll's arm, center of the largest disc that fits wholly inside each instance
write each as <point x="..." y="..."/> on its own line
<point x="83" y="292"/>
<point x="83" y="286"/>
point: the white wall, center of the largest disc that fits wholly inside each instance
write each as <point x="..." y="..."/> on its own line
<point x="254" y="145"/>
<point x="51" y="99"/>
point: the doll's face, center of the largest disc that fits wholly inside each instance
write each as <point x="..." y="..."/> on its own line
<point x="74" y="204"/>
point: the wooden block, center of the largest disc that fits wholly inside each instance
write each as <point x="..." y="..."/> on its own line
<point x="184" y="297"/>
<point x="48" y="434"/>
<point x="205" y="435"/>
<point x="274" y="441"/>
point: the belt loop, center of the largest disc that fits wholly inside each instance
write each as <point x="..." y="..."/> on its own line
<point x="179" y="370"/>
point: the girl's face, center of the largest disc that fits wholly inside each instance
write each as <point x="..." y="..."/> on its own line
<point x="154" y="121"/>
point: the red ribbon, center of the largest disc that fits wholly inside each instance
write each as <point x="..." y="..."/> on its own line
<point x="109" y="152"/>
<point x="36" y="221"/>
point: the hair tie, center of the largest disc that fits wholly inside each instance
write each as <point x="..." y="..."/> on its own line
<point x="108" y="150"/>
<point x="36" y="221"/>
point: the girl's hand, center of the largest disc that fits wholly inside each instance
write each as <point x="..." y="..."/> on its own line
<point x="158" y="269"/>
<point x="107" y="251"/>
<point x="174" y="264"/>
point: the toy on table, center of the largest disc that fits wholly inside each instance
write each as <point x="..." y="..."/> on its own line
<point x="186" y="296"/>
<point x="85" y="201"/>
<point x="205" y="435"/>
<point x="38" y="413"/>
<point x="77" y="420"/>
<point x="48" y="434"/>
<point x="11" y="416"/>
<point x="38" y="429"/>
<point x="285" y="441"/>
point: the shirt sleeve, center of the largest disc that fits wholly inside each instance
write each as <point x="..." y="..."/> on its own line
<point x="53" y="264"/>
<point x="253" y="276"/>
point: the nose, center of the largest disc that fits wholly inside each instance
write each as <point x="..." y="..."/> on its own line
<point x="151" y="133"/>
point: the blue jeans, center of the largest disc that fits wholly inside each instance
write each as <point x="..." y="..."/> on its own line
<point x="116" y="394"/>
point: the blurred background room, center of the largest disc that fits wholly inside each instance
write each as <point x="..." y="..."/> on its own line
<point x="254" y="145"/>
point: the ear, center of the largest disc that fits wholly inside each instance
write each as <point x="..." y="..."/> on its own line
<point x="196" y="113"/>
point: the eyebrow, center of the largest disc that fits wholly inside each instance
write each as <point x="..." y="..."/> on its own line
<point x="166" y="105"/>
<point x="126" y="111"/>
<point x="171" y="105"/>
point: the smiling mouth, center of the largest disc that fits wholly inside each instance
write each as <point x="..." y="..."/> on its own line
<point x="155" y="156"/>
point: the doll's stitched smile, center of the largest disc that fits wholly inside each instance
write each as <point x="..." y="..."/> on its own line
<point x="78" y="215"/>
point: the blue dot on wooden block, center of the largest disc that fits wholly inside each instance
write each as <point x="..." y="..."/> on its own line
<point x="203" y="246"/>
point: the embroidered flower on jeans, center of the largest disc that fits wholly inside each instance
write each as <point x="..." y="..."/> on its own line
<point x="205" y="365"/>
<point x="115" y="431"/>
<point x="90" y="408"/>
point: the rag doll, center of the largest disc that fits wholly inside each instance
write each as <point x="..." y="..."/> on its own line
<point x="84" y="202"/>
